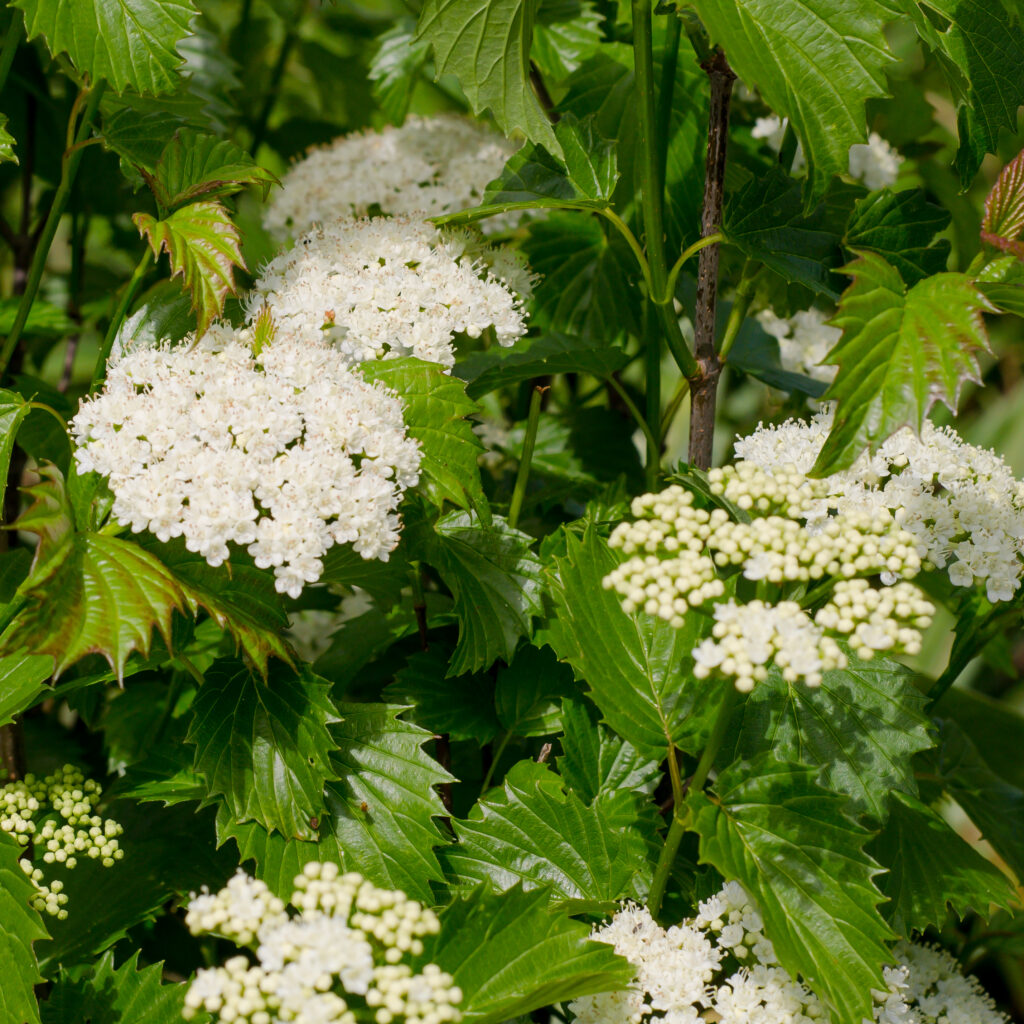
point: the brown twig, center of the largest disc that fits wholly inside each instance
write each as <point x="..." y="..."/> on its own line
<point x="12" y="751"/>
<point x="704" y="391"/>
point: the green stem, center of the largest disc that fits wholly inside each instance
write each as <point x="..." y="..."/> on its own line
<point x="494" y="762"/>
<point x="523" y="473"/>
<point x="673" y="407"/>
<point x="631" y="240"/>
<point x="419" y="603"/>
<point x="273" y="88"/>
<point x="669" y="67"/>
<point x="718" y="731"/>
<point x="652" y="353"/>
<point x="738" y="313"/>
<point x="666" y="859"/>
<point x="60" y="200"/>
<point x="123" y="305"/>
<point x="12" y="39"/>
<point x="634" y="411"/>
<point x="43" y="407"/>
<point x="690" y="250"/>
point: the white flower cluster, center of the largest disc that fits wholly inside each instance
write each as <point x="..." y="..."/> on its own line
<point x="875" y="163"/>
<point x="716" y="966"/>
<point x="677" y="550"/>
<point x="427" y="167"/>
<point x="962" y="504"/>
<point x="285" y="450"/>
<point x="804" y="340"/>
<point x="55" y="815"/>
<point x="719" y="966"/>
<point x="338" y="960"/>
<point x="389" y="287"/>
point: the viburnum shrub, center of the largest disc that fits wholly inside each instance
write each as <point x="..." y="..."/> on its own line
<point x="512" y="512"/>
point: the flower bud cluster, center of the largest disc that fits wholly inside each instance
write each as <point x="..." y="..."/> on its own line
<point x="427" y="167"/>
<point x="877" y="619"/>
<point x="267" y="441"/>
<point x="55" y="815"/>
<point x="720" y="966"/>
<point x="339" y="960"/>
<point x="387" y="287"/>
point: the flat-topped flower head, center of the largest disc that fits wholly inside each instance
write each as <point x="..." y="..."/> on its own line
<point x="285" y="451"/>
<point x="427" y="167"/>
<point x="388" y="287"/>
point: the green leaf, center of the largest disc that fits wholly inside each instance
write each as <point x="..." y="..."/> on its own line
<point x="637" y="667"/>
<point x="586" y="277"/>
<point x="165" y="774"/>
<point x="596" y="761"/>
<point x="129" y="43"/>
<point x="380" y="814"/>
<point x="435" y="410"/>
<point x="494" y="578"/>
<point x="264" y="744"/>
<point x="528" y="698"/>
<point x="13" y="410"/>
<point x="583" y="179"/>
<point x="395" y="69"/>
<point x="105" y="995"/>
<point x="1003" y="221"/>
<point x="564" y="33"/>
<point x="510" y="955"/>
<point x="534" y="832"/>
<point x="20" y="927"/>
<point x="862" y="726"/>
<point x="772" y="828"/>
<point x="204" y="247"/>
<point x="992" y="803"/>
<point x="486" y="45"/>
<point x="21" y="681"/>
<point x="383" y="581"/>
<point x="196" y="165"/>
<point x="814" y="61"/>
<point x="932" y="868"/>
<point x="901" y="351"/>
<point x="901" y="228"/>
<point x="44" y="319"/>
<point x="979" y="48"/>
<point x="138" y="137"/>
<point x="993" y="726"/>
<point x="767" y="223"/>
<point x="462" y="707"/>
<point x="7" y="154"/>
<point x="528" y="358"/>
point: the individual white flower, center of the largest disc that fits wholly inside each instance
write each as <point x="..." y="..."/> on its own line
<point x="935" y="987"/>
<point x="285" y="451"/>
<point x="387" y="287"/>
<point x="875" y="163"/>
<point x="427" y="167"/>
<point x="804" y="341"/>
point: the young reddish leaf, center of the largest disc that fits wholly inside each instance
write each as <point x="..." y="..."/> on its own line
<point x="204" y="247"/>
<point x="1004" y="209"/>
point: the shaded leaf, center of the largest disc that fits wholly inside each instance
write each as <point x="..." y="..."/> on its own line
<point x="20" y="928"/>
<point x="13" y="410"/>
<point x="510" y="955"/>
<point x="7" y="154"/>
<point x="771" y="827"/>
<point x="204" y="247"/>
<point x="901" y="351"/>
<point x="129" y="43"/>
<point x="264" y="744"/>
<point x="395" y="69"/>
<point x="565" y="32"/>
<point x="383" y="581"/>
<point x="165" y="774"/>
<point x="528" y="697"/>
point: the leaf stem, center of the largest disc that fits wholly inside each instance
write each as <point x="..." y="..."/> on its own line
<point x="419" y="603"/>
<point x="123" y="305"/>
<point x="634" y="411"/>
<point x="523" y="472"/>
<point x="704" y="393"/>
<point x="60" y="200"/>
<point x="673" y="407"/>
<point x="685" y="255"/>
<point x="631" y="240"/>
<point x="12" y="40"/>
<point x="718" y="731"/>
<point x="738" y="313"/>
<point x="666" y="859"/>
<point x="652" y="355"/>
<point x="494" y="762"/>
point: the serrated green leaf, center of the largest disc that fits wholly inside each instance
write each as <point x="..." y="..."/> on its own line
<point x="20" y="928"/>
<point x="13" y="410"/>
<point x="528" y="697"/>
<point x="396" y="67"/>
<point x="772" y="828"/>
<point x="637" y="667"/>
<point x="44" y="319"/>
<point x="767" y="223"/>
<point x="862" y="726"/>
<point x="493" y="575"/>
<point x="264" y="744"/>
<point x="564" y="33"/>
<point x="583" y="179"/>
<point x="596" y="761"/>
<point x="21" y="681"/>
<point x="204" y="247"/>
<point x="535" y="833"/>
<point x="109" y="995"/>
<point x="383" y="581"/>
<point x="7" y="143"/>
<point x="901" y="351"/>
<point x="196" y="165"/>
<point x="814" y="61"/>
<point x="548" y="354"/>
<point x="510" y="955"/>
<point x="486" y="45"/>
<point x="931" y="868"/>
<point x="1003" y="221"/>
<point x="462" y="707"/>
<point x="979" y="48"/>
<point x="138" y="137"/>
<point x="435" y="409"/>
<point x="380" y="814"/>
<point x="129" y="43"/>
<point x="992" y="803"/>
<point x="995" y="727"/>
<point x="901" y="228"/>
<point x="165" y="774"/>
